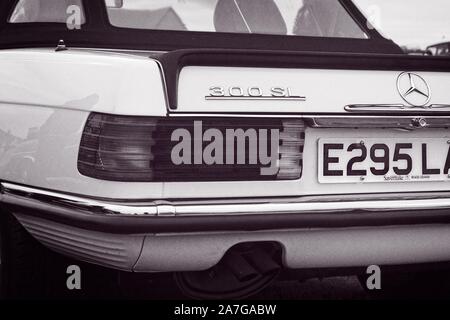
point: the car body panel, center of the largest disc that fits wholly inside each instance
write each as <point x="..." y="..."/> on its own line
<point x="325" y="91"/>
<point x="45" y="100"/>
<point x="45" y="104"/>
<point x="81" y="80"/>
<point x="47" y="95"/>
<point x="47" y="158"/>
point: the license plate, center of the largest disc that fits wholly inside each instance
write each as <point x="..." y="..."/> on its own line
<point x="370" y="160"/>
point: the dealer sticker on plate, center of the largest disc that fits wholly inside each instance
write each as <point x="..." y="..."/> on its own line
<point x="369" y="160"/>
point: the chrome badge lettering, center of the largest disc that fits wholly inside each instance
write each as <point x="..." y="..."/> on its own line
<point x="252" y="93"/>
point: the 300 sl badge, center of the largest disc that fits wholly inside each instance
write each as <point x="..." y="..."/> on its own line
<point x="252" y="93"/>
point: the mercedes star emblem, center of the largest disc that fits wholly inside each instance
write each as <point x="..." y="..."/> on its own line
<point x="413" y="89"/>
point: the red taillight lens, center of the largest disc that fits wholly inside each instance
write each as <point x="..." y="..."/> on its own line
<point x="138" y="149"/>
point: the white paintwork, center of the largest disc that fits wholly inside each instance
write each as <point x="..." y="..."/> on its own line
<point x="352" y="247"/>
<point x="45" y="99"/>
<point x="325" y="90"/>
<point x="46" y="96"/>
<point x="81" y="80"/>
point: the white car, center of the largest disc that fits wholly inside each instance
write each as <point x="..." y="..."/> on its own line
<point x="222" y="141"/>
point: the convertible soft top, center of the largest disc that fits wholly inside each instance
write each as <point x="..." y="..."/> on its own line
<point x="97" y="32"/>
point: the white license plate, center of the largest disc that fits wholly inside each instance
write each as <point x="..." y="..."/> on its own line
<point x="369" y="160"/>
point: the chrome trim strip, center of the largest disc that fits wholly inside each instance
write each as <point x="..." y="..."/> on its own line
<point x="383" y="108"/>
<point x="406" y="122"/>
<point x="177" y="114"/>
<point x="164" y="83"/>
<point x="313" y="204"/>
<point x="399" y="122"/>
<point x="60" y="199"/>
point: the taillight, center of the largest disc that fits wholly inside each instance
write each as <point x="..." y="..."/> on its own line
<point x="292" y="140"/>
<point x="139" y="149"/>
<point x="117" y="148"/>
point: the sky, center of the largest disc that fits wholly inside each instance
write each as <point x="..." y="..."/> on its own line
<point x="415" y="23"/>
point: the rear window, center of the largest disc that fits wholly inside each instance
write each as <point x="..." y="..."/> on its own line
<point x="53" y="11"/>
<point x="315" y="18"/>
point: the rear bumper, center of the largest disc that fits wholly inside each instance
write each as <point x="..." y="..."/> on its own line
<point x="314" y="232"/>
<point x="161" y="217"/>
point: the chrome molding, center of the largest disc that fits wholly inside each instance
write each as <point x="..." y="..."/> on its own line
<point x="30" y="197"/>
<point x="393" y="122"/>
<point x="405" y="122"/>
<point x="164" y="83"/>
<point x="81" y="203"/>
<point x="178" y="114"/>
<point x="386" y="108"/>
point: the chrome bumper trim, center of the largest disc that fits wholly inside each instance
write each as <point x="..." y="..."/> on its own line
<point x="299" y="205"/>
<point x="82" y="203"/>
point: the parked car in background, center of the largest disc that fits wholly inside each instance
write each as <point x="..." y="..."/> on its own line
<point x="441" y="49"/>
<point x="224" y="142"/>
